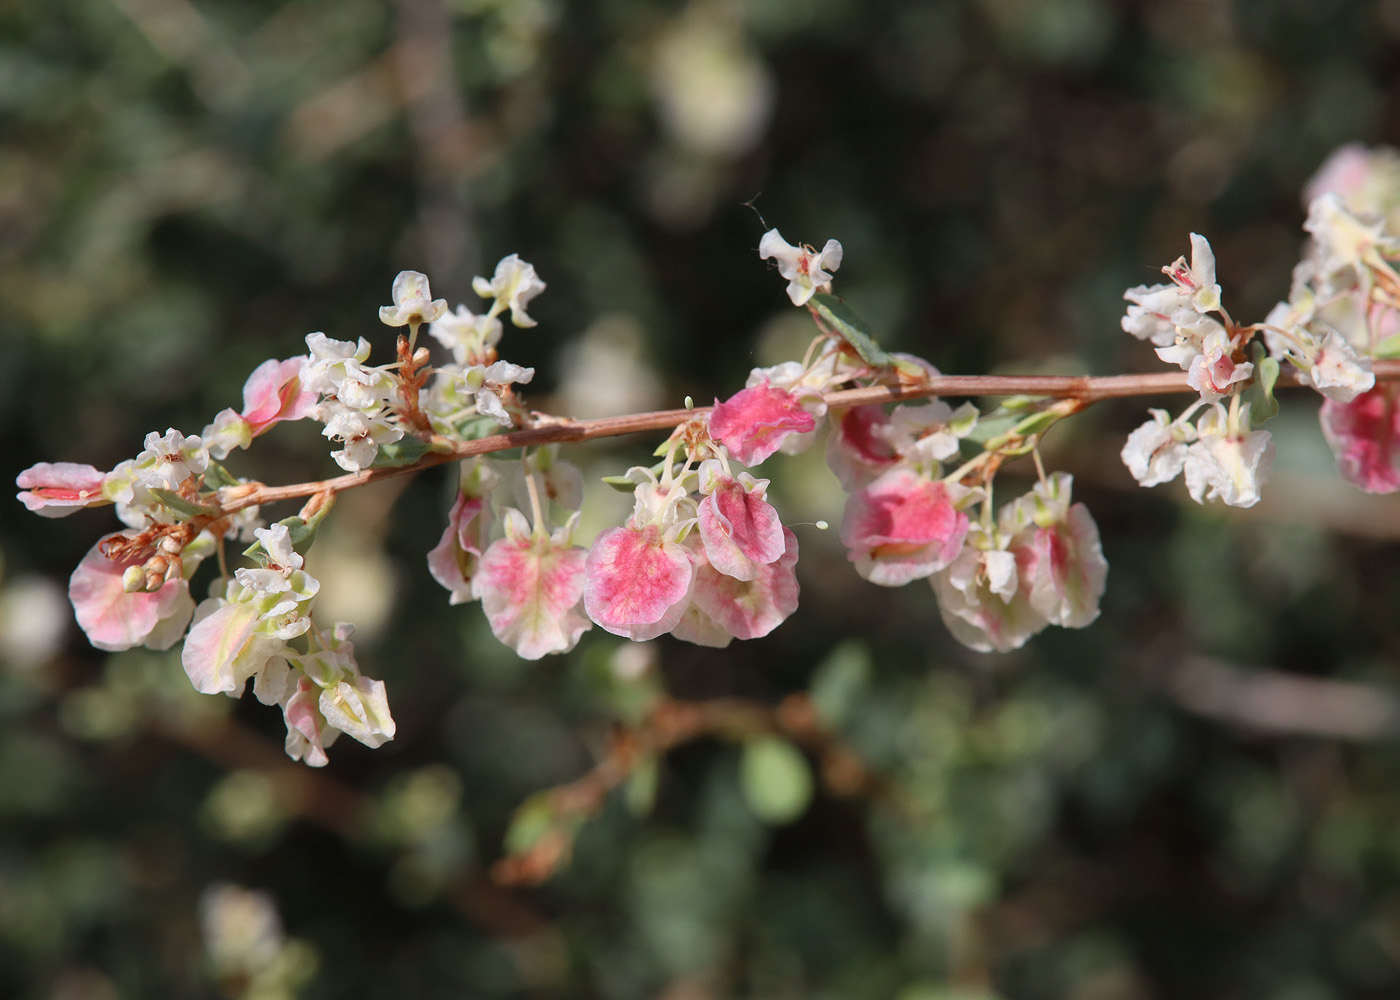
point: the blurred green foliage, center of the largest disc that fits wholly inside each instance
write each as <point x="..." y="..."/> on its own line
<point x="1193" y="798"/>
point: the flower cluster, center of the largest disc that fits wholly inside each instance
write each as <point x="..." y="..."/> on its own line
<point x="1343" y="311"/>
<point x="704" y="555"/>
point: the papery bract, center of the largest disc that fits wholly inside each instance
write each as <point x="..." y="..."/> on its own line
<point x="1062" y="568"/>
<point x="1365" y="437"/>
<point x="982" y="603"/>
<point x="901" y="527"/>
<point x="754" y="421"/>
<point x="57" y="489"/>
<point x="858" y="450"/>
<point x="636" y="583"/>
<point x="531" y="587"/>
<point x="223" y="650"/>
<point x="740" y="529"/>
<point x="748" y="609"/>
<point x="1155" y="453"/>
<point x="113" y="619"/>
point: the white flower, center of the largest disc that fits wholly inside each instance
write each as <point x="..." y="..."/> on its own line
<point x="466" y="335"/>
<point x="362" y="434"/>
<point x="1337" y="371"/>
<point x="1156" y="451"/>
<point x="413" y="302"/>
<point x="170" y="459"/>
<point x="1227" y="462"/>
<point x="804" y="268"/>
<point x="513" y="285"/>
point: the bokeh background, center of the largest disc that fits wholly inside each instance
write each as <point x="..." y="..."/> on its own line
<point x="1197" y="797"/>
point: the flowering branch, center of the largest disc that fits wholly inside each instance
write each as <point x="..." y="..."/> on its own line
<point x="1086" y="389"/>
<point x="704" y="555"/>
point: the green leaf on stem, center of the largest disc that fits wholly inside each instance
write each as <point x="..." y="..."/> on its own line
<point x="179" y="504"/>
<point x="1260" y="394"/>
<point x="404" y="451"/>
<point x="216" y="476"/>
<point x="834" y="316"/>
<point x="640" y="791"/>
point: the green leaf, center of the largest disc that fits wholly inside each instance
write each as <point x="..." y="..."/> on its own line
<point x="404" y="451"/>
<point x="775" y="778"/>
<point x="836" y="317"/>
<point x="216" y="476"/>
<point x="179" y="504"/>
<point x="1260" y="394"/>
<point x="302" y="533"/>
<point x="1036" y="423"/>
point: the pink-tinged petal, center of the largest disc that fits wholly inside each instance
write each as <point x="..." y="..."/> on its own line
<point x="530" y="591"/>
<point x="753" y="608"/>
<point x="902" y="527"/>
<point x="978" y="616"/>
<point x="274" y="392"/>
<point x="741" y="530"/>
<point x="1365" y="437"/>
<point x="856" y="451"/>
<point x="636" y="584"/>
<point x="307" y="732"/>
<point x="216" y="654"/>
<point x="56" y="489"/>
<point x="754" y="421"/>
<point x="454" y="561"/>
<point x="1063" y="568"/>
<point x="112" y="619"/>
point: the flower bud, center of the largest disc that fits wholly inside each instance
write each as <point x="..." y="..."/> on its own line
<point x="134" y="580"/>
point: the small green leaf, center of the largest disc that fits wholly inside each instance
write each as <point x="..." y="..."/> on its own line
<point x="835" y="316"/>
<point x="404" y="451"/>
<point x="1260" y="394"/>
<point x="179" y="504"/>
<point x="302" y="533"/>
<point x="775" y="778"/>
<point x="216" y="476"/>
<point x="620" y="483"/>
<point x="1036" y="423"/>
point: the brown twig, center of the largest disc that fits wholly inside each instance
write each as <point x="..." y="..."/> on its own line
<point x="673" y="723"/>
<point x="1087" y="389"/>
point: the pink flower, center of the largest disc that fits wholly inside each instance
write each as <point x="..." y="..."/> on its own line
<point x="637" y="583"/>
<point x="56" y="489"/>
<point x="274" y="392"/>
<point x="754" y="421"/>
<point x="902" y="527"/>
<point x="739" y="527"/>
<point x="455" y="560"/>
<point x="858" y="449"/>
<point x="1365" y="437"/>
<point x="113" y="619"/>
<point x="748" y="609"/>
<point x="983" y="602"/>
<point x="1062" y="568"/>
<point x="223" y="649"/>
<point x="308" y="733"/>
<point x="530" y="587"/>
